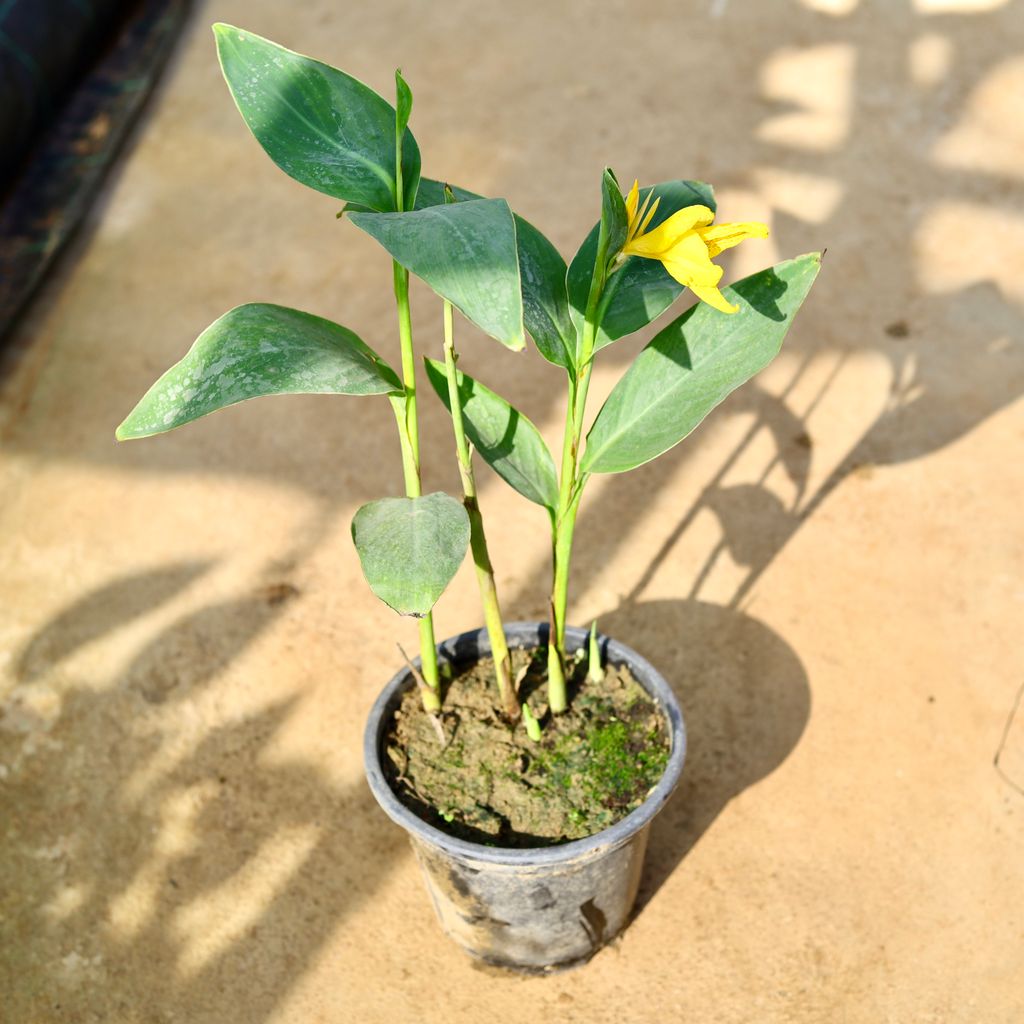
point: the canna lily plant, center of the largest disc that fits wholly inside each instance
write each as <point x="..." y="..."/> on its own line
<point x="332" y="133"/>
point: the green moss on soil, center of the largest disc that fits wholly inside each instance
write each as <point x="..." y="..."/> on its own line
<point x="490" y="783"/>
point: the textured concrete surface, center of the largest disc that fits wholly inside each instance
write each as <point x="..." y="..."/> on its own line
<point x="830" y="573"/>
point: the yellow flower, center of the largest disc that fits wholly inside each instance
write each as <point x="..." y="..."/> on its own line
<point x="686" y="243"/>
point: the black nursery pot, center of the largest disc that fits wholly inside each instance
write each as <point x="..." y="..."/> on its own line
<point x="537" y="909"/>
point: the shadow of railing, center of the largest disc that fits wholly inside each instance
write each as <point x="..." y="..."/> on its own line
<point x="174" y="843"/>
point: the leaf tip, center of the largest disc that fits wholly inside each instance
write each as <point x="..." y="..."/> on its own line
<point x="125" y="432"/>
<point x="811" y="261"/>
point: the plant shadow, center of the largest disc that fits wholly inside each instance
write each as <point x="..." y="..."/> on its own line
<point x="745" y="699"/>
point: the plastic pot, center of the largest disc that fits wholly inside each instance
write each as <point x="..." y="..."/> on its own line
<point x="539" y="909"/>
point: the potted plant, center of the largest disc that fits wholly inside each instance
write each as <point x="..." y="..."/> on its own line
<point x="525" y="760"/>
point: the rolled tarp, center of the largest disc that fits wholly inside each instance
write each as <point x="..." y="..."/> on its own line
<point x="45" y="48"/>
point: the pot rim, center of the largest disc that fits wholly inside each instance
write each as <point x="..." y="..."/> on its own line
<point x="527" y="634"/>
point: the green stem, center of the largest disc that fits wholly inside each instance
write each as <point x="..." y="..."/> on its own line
<point x="477" y="537"/>
<point x="405" y="414"/>
<point x="399" y="184"/>
<point x="408" y="460"/>
<point x="409" y="424"/>
<point x="570" y="490"/>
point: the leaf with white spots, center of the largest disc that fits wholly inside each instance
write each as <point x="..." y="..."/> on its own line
<point x="254" y="350"/>
<point x="467" y="253"/>
<point x="410" y="548"/>
<point x="322" y="127"/>
<point x="693" y="364"/>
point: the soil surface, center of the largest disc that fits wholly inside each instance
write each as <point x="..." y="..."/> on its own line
<point x="491" y="783"/>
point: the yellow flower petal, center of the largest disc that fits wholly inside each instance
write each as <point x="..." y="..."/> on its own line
<point x="658" y="243"/>
<point x="632" y="200"/>
<point x="689" y="263"/>
<point x="638" y="219"/>
<point x="713" y="297"/>
<point x="725" y="236"/>
<point x="685" y="243"/>
<point x="649" y="216"/>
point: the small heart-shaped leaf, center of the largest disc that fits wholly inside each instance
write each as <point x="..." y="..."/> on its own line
<point x="410" y="548"/>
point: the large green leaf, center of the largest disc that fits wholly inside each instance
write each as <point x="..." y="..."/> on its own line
<point x="259" y="349"/>
<point x="640" y="289"/>
<point x="542" y="276"/>
<point x="545" y="300"/>
<point x="322" y="127"/>
<point x="509" y="443"/>
<point x="466" y="252"/>
<point x="693" y="364"/>
<point x="410" y="548"/>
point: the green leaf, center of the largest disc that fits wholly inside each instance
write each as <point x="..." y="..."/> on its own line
<point x="545" y="300"/>
<point x="693" y="364"/>
<point x="410" y="548"/>
<point x="403" y="104"/>
<point x="532" y="724"/>
<point x="542" y="275"/>
<point x="640" y="290"/>
<point x="322" y="127"/>
<point x="255" y="350"/>
<point x="509" y="443"/>
<point x="614" y="220"/>
<point x="466" y="252"/>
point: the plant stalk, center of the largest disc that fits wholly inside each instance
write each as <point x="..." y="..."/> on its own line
<point x="570" y="490"/>
<point x="477" y="537"/>
<point x="408" y="430"/>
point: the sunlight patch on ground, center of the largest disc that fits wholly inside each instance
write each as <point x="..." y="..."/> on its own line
<point x="134" y="907"/>
<point x="960" y="244"/>
<point x="811" y="198"/>
<point x="814" y="86"/>
<point x="837" y="8"/>
<point x="209" y="925"/>
<point x="990" y="134"/>
<point x="958" y="6"/>
<point x="929" y="59"/>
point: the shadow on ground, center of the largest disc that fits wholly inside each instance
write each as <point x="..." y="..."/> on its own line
<point x="745" y="700"/>
<point x="125" y="813"/>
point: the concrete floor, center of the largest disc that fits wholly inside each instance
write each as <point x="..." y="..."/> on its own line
<point x="830" y="572"/>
